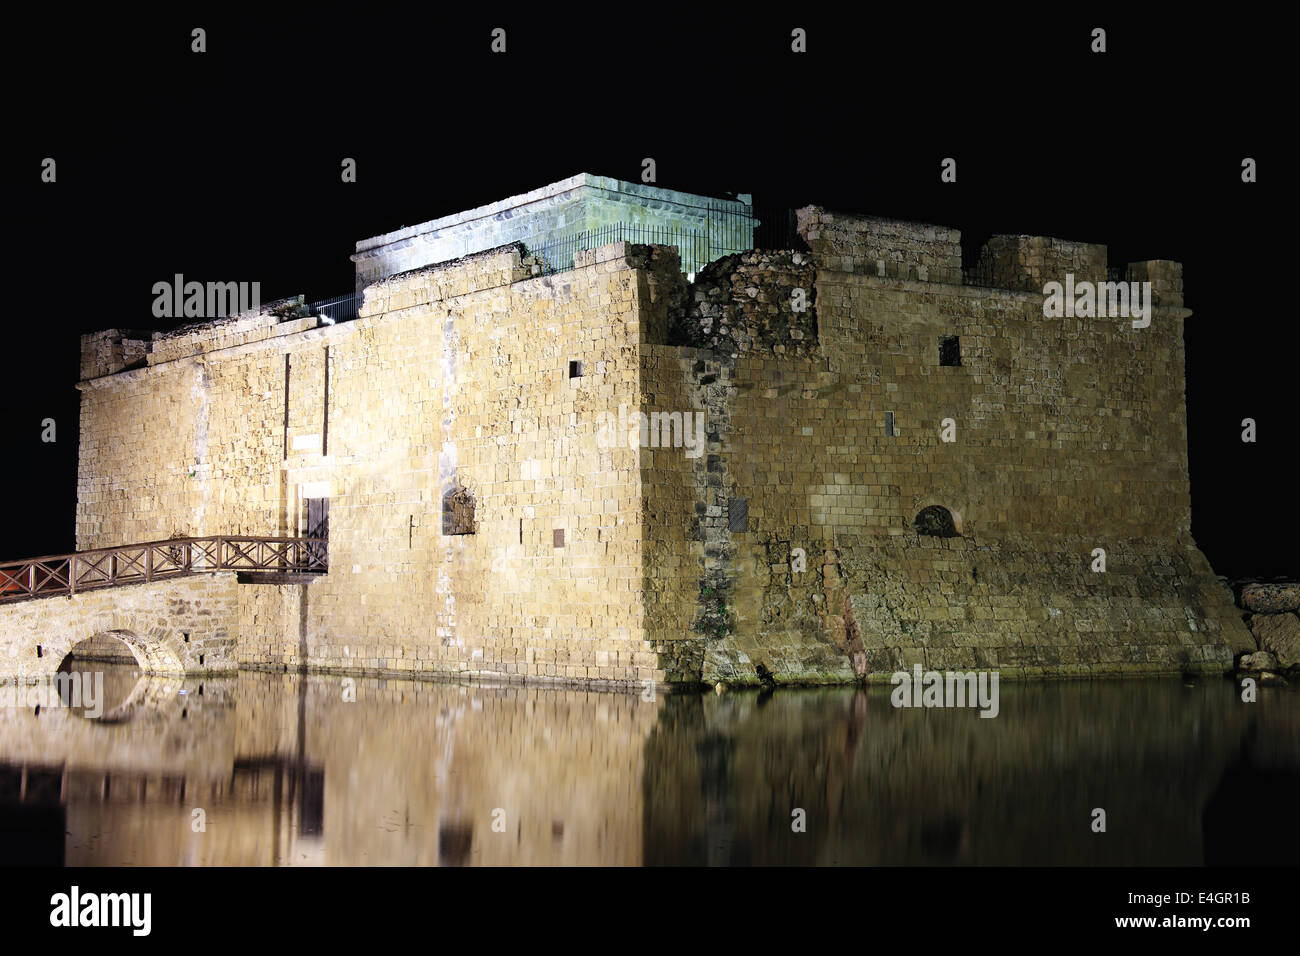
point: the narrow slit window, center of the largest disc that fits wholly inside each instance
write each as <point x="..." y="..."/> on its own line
<point x="949" y="350"/>
<point x="889" y="424"/>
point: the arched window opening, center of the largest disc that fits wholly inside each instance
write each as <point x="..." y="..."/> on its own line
<point x="937" y="521"/>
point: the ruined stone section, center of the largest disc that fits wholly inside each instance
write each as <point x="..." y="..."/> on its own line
<point x="748" y="302"/>
<point x="580" y="203"/>
<point x="1279" y="635"/>
<point x="175" y="627"/>
<point x="685" y="550"/>
<point x="1271" y="598"/>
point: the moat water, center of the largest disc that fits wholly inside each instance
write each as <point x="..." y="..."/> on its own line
<point x="285" y="770"/>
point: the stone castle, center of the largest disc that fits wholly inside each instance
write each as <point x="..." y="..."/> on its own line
<point x="902" y="461"/>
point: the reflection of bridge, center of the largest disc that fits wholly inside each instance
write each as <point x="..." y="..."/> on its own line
<point x="78" y="791"/>
<point x="178" y="618"/>
<point x="252" y="781"/>
<point x="38" y="801"/>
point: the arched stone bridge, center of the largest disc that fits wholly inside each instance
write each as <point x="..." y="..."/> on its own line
<point x="183" y="625"/>
<point x="173" y="602"/>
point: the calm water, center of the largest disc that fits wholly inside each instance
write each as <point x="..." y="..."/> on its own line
<point x="285" y="771"/>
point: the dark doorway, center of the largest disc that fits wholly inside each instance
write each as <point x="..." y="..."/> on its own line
<point x="317" y="526"/>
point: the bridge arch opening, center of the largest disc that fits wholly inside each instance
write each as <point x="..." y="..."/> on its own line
<point x="107" y="647"/>
<point x="98" y="674"/>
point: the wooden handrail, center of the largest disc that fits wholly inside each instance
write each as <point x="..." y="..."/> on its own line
<point x="159" y="542"/>
<point x="158" y="560"/>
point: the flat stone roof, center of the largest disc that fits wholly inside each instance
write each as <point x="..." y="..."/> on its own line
<point x="504" y="208"/>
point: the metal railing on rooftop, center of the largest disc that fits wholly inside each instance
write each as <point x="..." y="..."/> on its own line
<point x="724" y="230"/>
<point x="557" y="254"/>
<point x="341" y="308"/>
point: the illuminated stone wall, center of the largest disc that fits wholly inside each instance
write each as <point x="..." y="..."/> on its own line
<point x="593" y="560"/>
<point x="455" y="377"/>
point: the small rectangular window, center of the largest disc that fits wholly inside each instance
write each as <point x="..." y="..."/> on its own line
<point x="558" y="537"/>
<point x="889" y="424"/>
<point x="575" y="369"/>
<point x="949" y="350"/>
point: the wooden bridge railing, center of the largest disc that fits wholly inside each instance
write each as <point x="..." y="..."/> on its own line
<point x="157" y="560"/>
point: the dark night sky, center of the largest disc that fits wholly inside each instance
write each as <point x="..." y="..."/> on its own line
<point x="225" y="166"/>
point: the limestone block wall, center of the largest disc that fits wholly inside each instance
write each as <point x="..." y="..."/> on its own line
<point x="272" y="627"/>
<point x="460" y="378"/>
<point x="680" y="508"/>
<point x="1028" y="262"/>
<point x="223" y="333"/>
<point x="883" y="247"/>
<point x="188" y="447"/>
<point x="110" y="351"/>
<point x="1057" y="421"/>
<point x="467" y="378"/>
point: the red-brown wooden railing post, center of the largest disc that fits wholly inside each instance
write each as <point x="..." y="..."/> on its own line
<point x="72" y="574"/>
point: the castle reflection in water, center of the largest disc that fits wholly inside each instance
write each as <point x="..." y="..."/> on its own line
<point x="286" y="771"/>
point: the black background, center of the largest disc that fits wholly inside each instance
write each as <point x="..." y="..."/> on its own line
<point x="226" y="166"/>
